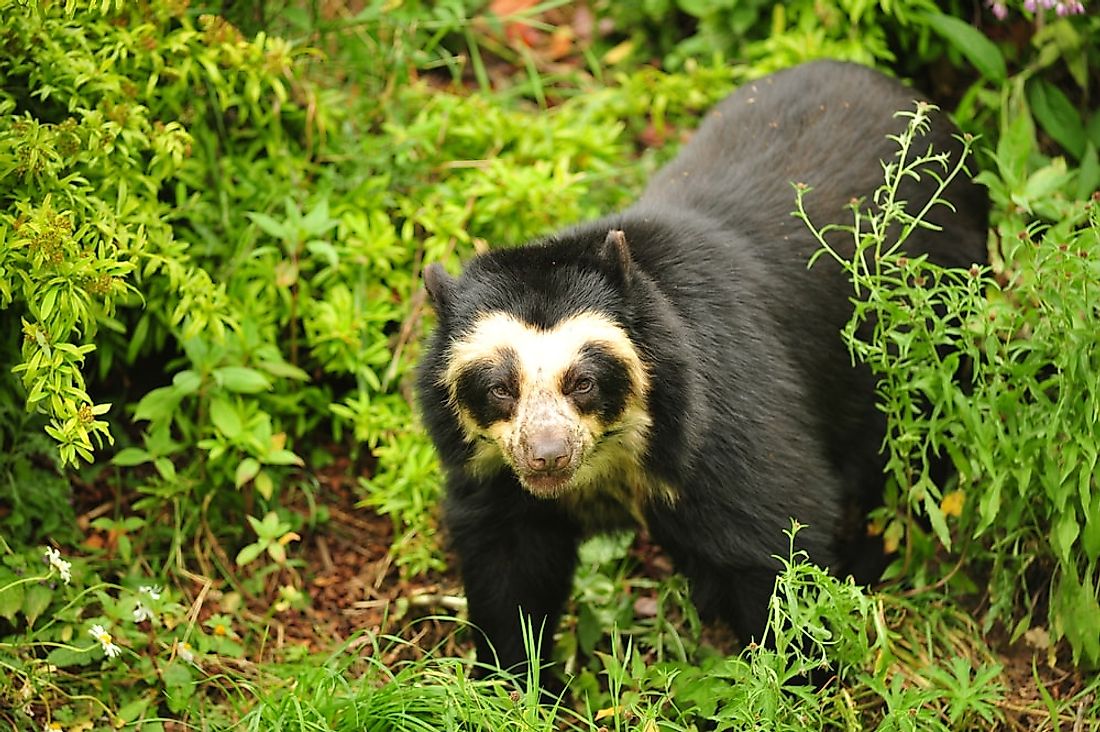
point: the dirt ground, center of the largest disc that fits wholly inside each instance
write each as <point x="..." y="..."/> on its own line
<point x="354" y="585"/>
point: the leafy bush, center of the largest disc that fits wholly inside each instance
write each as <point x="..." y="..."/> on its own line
<point x="1003" y="384"/>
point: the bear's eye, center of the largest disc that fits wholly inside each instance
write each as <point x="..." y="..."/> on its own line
<point x="583" y="385"/>
<point x="500" y="391"/>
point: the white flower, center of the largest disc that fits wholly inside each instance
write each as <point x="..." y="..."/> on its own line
<point x="152" y="591"/>
<point x="100" y="634"/>
<point x="63" y="568"/>
<point x="141" y="613"/>
<point x="183" y="650"/>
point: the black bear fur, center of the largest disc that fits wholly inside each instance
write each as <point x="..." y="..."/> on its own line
<point x="758" y="414"/>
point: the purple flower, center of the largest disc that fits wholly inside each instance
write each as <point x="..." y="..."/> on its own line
<point x="999" y="10"/>
<point x="1074" y="7"/>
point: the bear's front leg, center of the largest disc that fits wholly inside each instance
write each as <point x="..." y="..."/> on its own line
<point x="517" y="556"/>
<point x="740" y="597"/>
<point x="732" y="557"/>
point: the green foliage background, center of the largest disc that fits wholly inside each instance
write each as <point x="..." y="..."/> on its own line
<point x="212" y="227"/>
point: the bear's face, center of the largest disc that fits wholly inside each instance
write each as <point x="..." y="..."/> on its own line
<point x="560" y="406"/>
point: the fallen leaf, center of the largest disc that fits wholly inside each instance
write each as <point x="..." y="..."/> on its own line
<point x="891" y="538"/>
<point x="645" y="607"/>
<point x="619" y="53"/>
<point x="561" y="43"/>
<point x="510" y="7"/>
<point x="1038" y="638"/>
<point x="606" y="712"/>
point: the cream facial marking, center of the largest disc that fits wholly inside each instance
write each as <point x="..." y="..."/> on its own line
<point x="543" y="353"/>
<point x="563" y="407"/>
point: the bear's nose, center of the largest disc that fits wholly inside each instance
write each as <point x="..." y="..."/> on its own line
<point x="547" y="451"/>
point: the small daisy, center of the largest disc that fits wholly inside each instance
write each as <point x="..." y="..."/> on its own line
<point x="100" y="634"/>
<point x="152" y="591"/>
<point x="56" y="562"/>
<point x="183" y="650"/>
<point x="141" y="613"/>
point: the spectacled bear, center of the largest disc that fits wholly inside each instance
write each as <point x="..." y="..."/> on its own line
<point x="677" y="365"/>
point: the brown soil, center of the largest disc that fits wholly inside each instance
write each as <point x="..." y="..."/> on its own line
<point x="355" y="587"/>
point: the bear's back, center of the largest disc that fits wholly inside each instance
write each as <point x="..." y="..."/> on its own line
<point x="824" y="124"/>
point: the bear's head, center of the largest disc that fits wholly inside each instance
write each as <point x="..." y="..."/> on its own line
<point x="539" y="366"/>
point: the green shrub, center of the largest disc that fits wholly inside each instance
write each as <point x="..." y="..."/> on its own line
<point x="998" y="374"/>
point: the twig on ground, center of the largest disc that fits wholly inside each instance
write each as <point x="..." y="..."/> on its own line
<point x="438" y="599"/>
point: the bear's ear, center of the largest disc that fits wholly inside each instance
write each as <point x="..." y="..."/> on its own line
<point x="440" y="287"/>
<point x="615" y="253"/>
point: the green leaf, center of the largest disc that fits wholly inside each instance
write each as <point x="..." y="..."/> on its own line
<point x="166" y="468"/>
<point x="317" y="220"/>
<point x="283" y="370"/>
<point x="224" y="416"/>
<point x="63" y="657"/>
<point x="35" y="602"/>
<point x="697" y="8"/>
<point x="589" y="629"/>
<point x="971" y="43"/>
<point x="1093" y="128"/>
<point x="1075" y="606"/>
<point x="989" y="505"/>
<point x="242" y="379"/>
<point x="11" y="598"/>
<point x="179" y="685"/>
<point x="1066" y="531"/>
<point x="130" y="456"/>
<point x="1090" y="536"/>
<point x="131" y="711"/>
<point x="1042" y="184"/>
<point x="137" y="338"/>
<point x="249" y="553"/>
<point x="187" y="382"/>
<point x="1057" y="116"/>
<point x="935" y="516"/>
<point x="45" y="308"/>
<point x="283" y="457"/>
<point x="1088" y="175"/>
<point x="277" y="552"/>
<point x="265" y="486"/>
<point x="159" y="404"/>
<point x="604" y="548"/>
<point x="270" y="526"/>
<point x="246" y="471"/>
<point x="268" y="224"/>
<point x="133" y="523"/>
<point x="325" y="251"/>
